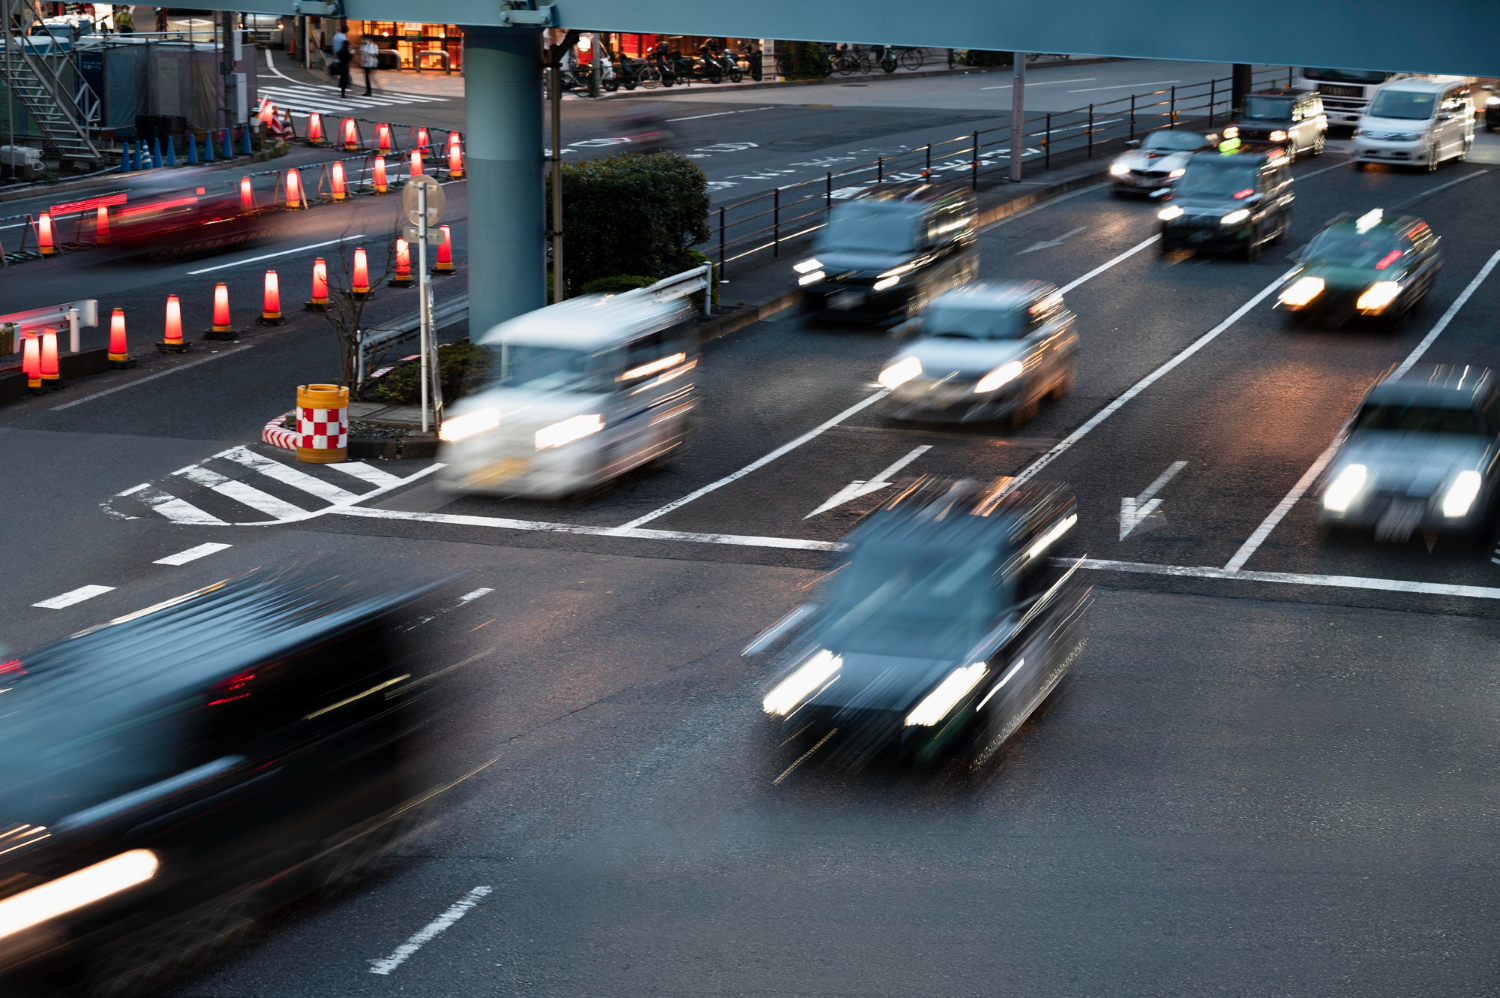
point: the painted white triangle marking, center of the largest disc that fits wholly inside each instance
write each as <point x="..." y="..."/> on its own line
<point x="860" y="488"/>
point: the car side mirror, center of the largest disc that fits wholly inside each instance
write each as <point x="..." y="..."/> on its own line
<point x="1133" y="144"/>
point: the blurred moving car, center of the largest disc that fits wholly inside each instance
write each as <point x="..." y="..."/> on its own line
<point x="266" y="30"/>
<point x="946" y="628"/>
<point x="587" y="390"/>
<point x="887" y="251"/>
<point x="180" y="771"/>
<point x="986" y="352"/>
<point x="1152" y="163"/>
<point x="1420" y="453"/>
<point x="1367" y="266"/>
<point x="1285" y="116"/>
<point x="179" y="213"/>
<point x="1491" y="108"/>
<point x="1235" y="201"/>
<point x="1416" y="121"/>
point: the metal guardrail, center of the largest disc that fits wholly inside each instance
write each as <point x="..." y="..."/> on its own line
<point x="685" y="283"/>
<point x="764" y="222"/>
<point x="74" y="313"/>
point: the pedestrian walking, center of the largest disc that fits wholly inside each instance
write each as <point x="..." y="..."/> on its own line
<point x="369" y="60"/>
<point x="342" y="57"/>
<point x="124" y="21"/>
<point x="161" y="20"/>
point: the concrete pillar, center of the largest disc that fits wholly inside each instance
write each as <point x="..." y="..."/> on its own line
<point x="1239" y="84"/>
<point x="503" y="139"/>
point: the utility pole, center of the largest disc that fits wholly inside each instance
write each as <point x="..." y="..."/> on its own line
<point x="554" y="85"/>
<point x="1017" y="114"/>
<point x="1239" y="85"/>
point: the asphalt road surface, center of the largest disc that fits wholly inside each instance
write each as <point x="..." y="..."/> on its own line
<point x="1272" y="771"/>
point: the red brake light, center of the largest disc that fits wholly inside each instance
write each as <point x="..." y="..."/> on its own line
<point x="1244" y="193"/>
<point x="13" y="666"/>
<point x="1388" y="259"/>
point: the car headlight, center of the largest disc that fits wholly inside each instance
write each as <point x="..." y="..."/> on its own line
<point x="1302" y="291"/>
<point x="1459" y="498"/>
<point x="54" y="898"/>
<point x="1118" y="169"/>
<point x="1278" y="136"/>
<point x="887" y="282"/>
<point x="1170" y="212"/>
<point x="936" y="705"/>
<point x="900" y="372"/>
<point x="810" y="677"/>
<point x="1345" y="487"/>
<point x="812" y="278"/>
<point x="1235" y="217"/>
<point x="1232" y="132"/>
<point x="1377" y="296"/>
<point x="1000" y="376"/>
<point x="467" y="424"/>
<point x="569" y="430"/>
<point x="1176" y="173"/>
<point x="808" y="266"/>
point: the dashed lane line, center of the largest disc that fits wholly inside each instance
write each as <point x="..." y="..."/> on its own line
<point x="430" y="931"/>
<point x="152" y="377"/>
<point x="1290" y="578"/>
<point x="192" y="554"/>
<point x="272" y="256"/>
<point x="72" y="596"/>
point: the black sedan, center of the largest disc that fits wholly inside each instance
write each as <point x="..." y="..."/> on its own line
<point x="1234" y="201"/>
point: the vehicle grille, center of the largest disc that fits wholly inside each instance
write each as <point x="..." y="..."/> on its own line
<point x="1338" y="91"/>
<point x="1151" y="174"/>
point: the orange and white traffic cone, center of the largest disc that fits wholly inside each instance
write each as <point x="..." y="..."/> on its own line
<point x="172" y="341"/>
<point x="270" y="313"/>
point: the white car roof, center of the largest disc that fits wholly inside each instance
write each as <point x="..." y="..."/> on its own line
<point x="589" y="322"/>
<point x="1424" y="86"/>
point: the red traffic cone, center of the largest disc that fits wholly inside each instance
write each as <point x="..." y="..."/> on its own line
<point x="383" y="137"/>
<point x="221" y="329"/>
<point x="340" y="185"/>
<point x="44" y="235"/>
<point x="296" y="197"/>
<point x="351" y="134"/>
<point x="51" y="377"/>
<point x="31" y="362"/>
<point x="315" y="129"/>
<point x="172" y="341"/>
<point x="247" y="196"/>
<point x="444" y="263"/>
<point x="416" y="164"/>
<point x="381" y="186"/>
<point x="119" y="354"/>
<point x="319" y="302"/>
<point x="270" y="313"/>
<point x="403" y="278"/>
<point x="455" y="160"/>
<point x="423" y="146"/>
<point x="101" y="226"/>
<point x="359" y="287"/>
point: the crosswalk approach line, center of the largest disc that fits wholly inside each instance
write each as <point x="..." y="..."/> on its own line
<point x="287" y="475"/>
<point x="240" y="492"/>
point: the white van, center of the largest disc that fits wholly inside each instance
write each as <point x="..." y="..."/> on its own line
<point x="580" y="392"/>
<point x="1416" y="122"/>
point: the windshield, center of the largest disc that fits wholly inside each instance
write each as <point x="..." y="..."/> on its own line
<point x="1352" y="249"/>
<point x="1174" y="141"/>
<point x="1408" y="104"/>
<point x="914" y="601"/>
<point x="1420" y="419"/>
<point x="1345" y="75"/>
<point x="526" y="365"/>
<point x="1225" y="177"/>
<point x="975" y="322"/>
<point x="872" y="226"/>
<point x="1268" y="108"/>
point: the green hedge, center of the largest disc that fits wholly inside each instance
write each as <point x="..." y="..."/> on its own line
<point x="617" y="284"/>
<point x="630" y="214"/>
<point x="803" y="60"/>
<point x="462" y="367"/>
<point x="984" y="57"/>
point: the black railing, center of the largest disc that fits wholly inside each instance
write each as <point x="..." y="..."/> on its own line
<point x="792" y="211"/>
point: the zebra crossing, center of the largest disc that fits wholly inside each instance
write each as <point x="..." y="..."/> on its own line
<point x="241" y="487"/>
<point x="304" y="98"/>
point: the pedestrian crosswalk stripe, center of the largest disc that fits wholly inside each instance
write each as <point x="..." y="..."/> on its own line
<point x="303" y="101"/>
<point x="365" y="472"/>
<point x="172" y="507"/>
<point x="240" y="492"/>
<point x="288" y="475"/>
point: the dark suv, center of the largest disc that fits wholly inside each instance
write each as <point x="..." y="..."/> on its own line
<point x="887" y="252"/>
<point x="1235" y="201"/>
<point x="1287" y="117"/>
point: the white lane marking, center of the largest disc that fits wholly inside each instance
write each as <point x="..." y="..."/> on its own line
<point x="1135" y="509"/>
<point x="1049" y="243"/>
<point x="470" y="597"/>
<point x="1106" y="265"/>
<point x="150" y="377"/>
<point x="272" y="256"/>
<point x="73" y="596"/>
<point x="272" y="67"/>
<point x="761" y="462"/>
<point x="643" y="534"/>
<point x="1256" y="539"/>
<point x="288" y="475"/>
<point x="173" y="508"/>
<point x="192" y="554"/>
<point x="1438" y="189"/>
<point x="366" y="473"/>
<point x="1049" y="83"/>
<point x="240" y="492"/>
<point x="430" y="931"/>
<point x="861" y="488"/>
<point x="1294" y="579"/>
<point x="1072" y="438"/>
<point x="1123" y="86"/>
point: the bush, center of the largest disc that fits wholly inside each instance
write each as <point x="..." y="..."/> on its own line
<point x="803" y="60"/>
<point x="983" y="57"/>
<point x="615" y="285"/>
<point x="631" y="214"/>
<point x="461" y="366"/>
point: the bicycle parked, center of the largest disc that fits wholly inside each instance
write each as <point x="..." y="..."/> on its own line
<point x="892" y="58"/>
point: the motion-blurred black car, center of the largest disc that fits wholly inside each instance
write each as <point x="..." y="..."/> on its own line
<point x="1372" y="267"/>
<point x="886" y="252"/>
<point x="1285" y="116"/>
<point x="943" y="632"/>
<point x="165" y="777"/>
<point x="1234" y="201"/>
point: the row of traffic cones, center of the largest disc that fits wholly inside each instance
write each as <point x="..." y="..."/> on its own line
<point x="150" y="156"/>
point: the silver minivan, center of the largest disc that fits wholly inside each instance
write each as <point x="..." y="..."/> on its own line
<point x="1416" y="122"/>
<point x="580" y="393"/>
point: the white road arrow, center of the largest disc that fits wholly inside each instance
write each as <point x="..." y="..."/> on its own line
<point x="858" y="489"/>
<point x="1049" y="243"/>
<point x="1134" y="511"/>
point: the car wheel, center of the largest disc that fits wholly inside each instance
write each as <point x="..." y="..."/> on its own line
<point x="1432" y="159"/>
<point x="1319" y="144"/>
<point x="1463" y="150"/>
<point x="1065" y="383"/>
<point x="1164" y="248"/>
<point x="1358" y="165"/>
<point x="1252" y="246"/>
<point x="1291" y="152"/>
<point x="1024" y="413"/>
<point x="1283" y="226"/>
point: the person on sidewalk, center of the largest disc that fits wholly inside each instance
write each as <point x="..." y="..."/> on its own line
<point x="124" y="20"/>
<point x="369" y="60"/>
<point x="161" y="20"/>
<point x="342" y="56"/>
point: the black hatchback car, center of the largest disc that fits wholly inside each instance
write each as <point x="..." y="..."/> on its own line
<point x="1287" y="117"/>
<point x="166" y="777"/>
<point x="885" y="253"/>
<point x="1233" y="201"/>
